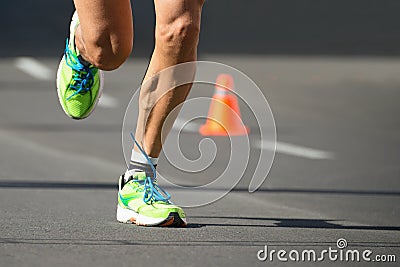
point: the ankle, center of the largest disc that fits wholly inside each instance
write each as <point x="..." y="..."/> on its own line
<point x="139" y="163"/>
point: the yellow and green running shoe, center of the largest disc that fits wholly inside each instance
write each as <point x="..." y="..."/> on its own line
<point x="79" y="84"/>
<point x="143" y="202"/>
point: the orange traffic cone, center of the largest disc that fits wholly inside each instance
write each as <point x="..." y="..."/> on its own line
<point x="224" y="118"/>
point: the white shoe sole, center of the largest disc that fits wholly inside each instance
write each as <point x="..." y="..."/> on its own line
<point x="129" y="216"/>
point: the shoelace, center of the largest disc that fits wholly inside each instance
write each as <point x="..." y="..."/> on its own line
<point x="82" y="76"/>
<point x="152" y="191"/>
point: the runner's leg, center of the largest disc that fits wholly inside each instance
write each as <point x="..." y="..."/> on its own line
<point x="101" y="34"/>
<point x="177" y="36"/>
<point x="105" y="34"/>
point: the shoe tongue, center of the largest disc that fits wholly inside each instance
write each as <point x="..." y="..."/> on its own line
<point x="83" y="61"/>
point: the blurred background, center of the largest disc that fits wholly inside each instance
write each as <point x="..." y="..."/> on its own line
<point x="330" y="70"/>
<point x="270" y="27"/>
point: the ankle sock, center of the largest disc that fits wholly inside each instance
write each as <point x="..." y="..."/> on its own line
<point x="139" y="163"/>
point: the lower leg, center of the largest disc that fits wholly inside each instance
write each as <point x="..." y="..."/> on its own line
<point x="177" y="34"/>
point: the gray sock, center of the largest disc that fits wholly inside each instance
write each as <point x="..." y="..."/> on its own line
<point x="139" y="163"/>
<point x="135" y="166"/>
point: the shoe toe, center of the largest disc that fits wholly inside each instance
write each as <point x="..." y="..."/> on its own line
<point x="78" y="106"/>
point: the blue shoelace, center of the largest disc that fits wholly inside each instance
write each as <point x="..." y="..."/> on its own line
<point x="152" y="191"/>
<point x="82" y="76"/>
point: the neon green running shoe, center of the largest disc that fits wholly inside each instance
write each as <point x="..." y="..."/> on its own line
<point x="79" y="84"/>
<point x="143" y="202"/>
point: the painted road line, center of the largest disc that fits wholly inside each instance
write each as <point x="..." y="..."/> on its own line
<point x="186" y="126"/>
<point x="107" y="101"/>
<point x="38" y="70"/>
<point x="34" y="68"/>
<point x="281" y="147"/>
<point x="295" y="150"/>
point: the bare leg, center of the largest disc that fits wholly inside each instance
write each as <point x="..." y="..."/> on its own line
<point x="177" y="36"/>
<point x="105" y="34"/>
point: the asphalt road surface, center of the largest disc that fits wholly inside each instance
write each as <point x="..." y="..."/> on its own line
<point x="58" y="176"/>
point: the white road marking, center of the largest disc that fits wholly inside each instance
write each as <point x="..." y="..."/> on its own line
<point x="295" y="150"/>
<point x="107" y="101"/>
<point x="191" y="127"/>
<point x="38" y="70"/>
<point x="34" y="68"/>
<point x="281" y="147"/>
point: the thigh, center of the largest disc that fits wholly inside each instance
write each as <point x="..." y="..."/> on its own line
<point x="111" y="19"/>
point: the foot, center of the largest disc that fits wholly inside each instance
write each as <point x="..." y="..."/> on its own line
<point x="79" y="84"/>
<point x="143" y="202"/>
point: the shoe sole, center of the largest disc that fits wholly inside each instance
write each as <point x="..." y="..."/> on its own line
<point x="129" y="216"/>
<point x="101" y="78"/>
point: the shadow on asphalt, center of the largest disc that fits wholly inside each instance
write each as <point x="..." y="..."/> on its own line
<point x="112" y="186"/>
<point x="273" y="222"/>
<point x="294" y="223"/>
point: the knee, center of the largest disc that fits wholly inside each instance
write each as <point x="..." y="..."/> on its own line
<point x="178" y="37"/>
<point x="106" y="53"/>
